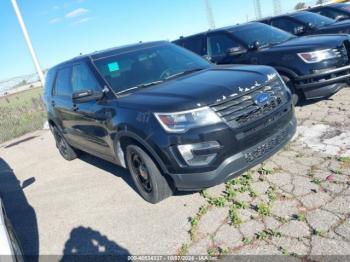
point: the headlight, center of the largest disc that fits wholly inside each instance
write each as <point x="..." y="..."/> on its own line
<point x="180" y="122"/>
<point x="318" y="56"/>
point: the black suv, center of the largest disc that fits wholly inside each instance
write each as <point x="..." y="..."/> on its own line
<point x="337" y="12"/>
<point x="307" y="23"/>
<point x="312" y="66"/>
<point x="175" y="120"/>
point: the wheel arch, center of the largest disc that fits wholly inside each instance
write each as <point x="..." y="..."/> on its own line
<point x="125" y="138"/>
<point x="286" y="72"/>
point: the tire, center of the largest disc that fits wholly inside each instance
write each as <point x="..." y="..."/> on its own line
<point x="149" y="181"/>
<point x="296" y="95"/>
<point x="66" y="151"/>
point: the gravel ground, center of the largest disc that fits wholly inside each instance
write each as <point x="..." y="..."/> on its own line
<point x="295" y="204"/>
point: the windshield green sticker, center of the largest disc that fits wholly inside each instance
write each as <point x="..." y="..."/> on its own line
<point x="112" y="67"/>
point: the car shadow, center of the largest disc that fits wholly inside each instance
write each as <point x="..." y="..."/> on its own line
<point x="305" y="102"/>
<point x="120" y="172"/>
<point x="108" y="167"/>
<point x="86" y="244"/>
<point x="20" y="213"/>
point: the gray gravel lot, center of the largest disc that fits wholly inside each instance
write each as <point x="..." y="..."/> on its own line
<point x="297" y="203"/>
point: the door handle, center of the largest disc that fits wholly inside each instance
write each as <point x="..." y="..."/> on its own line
<point x="75" y="108"/>
<point x="53" y="103"/>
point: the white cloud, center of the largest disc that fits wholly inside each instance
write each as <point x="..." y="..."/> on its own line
<point x="77" y="12"/>
<point x="83" y="20"/>
<point x="55" y="20"/>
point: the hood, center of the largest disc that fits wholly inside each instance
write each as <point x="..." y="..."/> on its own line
<point x="312" y="42"/>
<point x="199" y="89"/>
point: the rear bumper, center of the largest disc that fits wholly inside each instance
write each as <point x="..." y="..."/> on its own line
<point x="238" y="163"/>
<point x="323" y="84"/>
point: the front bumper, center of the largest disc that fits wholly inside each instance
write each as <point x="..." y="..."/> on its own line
<point x="323" y="84"/>
<point x="238" y="163"/>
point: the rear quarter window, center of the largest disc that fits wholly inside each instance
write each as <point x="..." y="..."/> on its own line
<point x="49" y="81"/>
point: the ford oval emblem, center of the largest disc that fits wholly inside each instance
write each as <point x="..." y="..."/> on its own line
<point x="262" y="99"/>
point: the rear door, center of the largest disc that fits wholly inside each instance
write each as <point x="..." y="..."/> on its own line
<point x="62" y="103"/>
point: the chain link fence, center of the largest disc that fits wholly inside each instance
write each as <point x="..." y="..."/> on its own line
<point x="21" y="113"/>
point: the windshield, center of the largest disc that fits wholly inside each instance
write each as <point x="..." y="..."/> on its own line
<point x="263" y="34"/>
<point x="314" y="20"/>
<point x="127" y="72"/>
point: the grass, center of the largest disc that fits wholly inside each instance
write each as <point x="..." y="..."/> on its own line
<point x="195" y="221"/>
<point x="344" y="160"/>
<point x="21" y="113"/>
<point x="218" y="201"/>
<point x="234" y="217"/>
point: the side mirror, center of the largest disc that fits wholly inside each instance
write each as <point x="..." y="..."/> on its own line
<point x="299" y="30"/>
<point x="254" y="46"/>
<point x="234" y="51"/>
<point x="341" y="18"/>
<point x="207" y="57"/>
<point x="86" y="96"/>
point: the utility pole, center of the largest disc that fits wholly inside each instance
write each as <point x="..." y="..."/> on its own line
<point x="257" y="7"/>
<point x="210" y="15"/>
<point x="277" y="7"/>
<point x="28" y="41"/>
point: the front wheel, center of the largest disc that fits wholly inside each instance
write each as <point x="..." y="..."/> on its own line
<point x="296" y="95"/>
<point x="150" y="183"/>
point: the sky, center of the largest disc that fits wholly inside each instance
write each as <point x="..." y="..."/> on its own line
<point x="62" y="29"/>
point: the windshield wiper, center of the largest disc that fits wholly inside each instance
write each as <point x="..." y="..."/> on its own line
<point x="184" y="73"/>
<point x="141" y="86"/>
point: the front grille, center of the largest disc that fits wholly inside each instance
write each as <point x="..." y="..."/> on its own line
<point x="238" y="112"/>
<point x="266" y="147"/>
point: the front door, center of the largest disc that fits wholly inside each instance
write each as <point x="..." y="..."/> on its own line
<point x="90" y="117"/>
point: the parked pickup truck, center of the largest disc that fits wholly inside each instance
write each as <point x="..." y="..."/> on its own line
<point x="308" y="23"/>
<point x="172" y="118"/>
<point x="312" y="66"/>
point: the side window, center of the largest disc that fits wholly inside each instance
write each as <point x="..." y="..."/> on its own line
<point x="63" y="83"/>
<point x="194" y="44"/>
<point x="219" y="44"/>
<point x="286" y="25"/>
<point x="330" y="13"/>
<point x="83" y="79"/>
<point x="50" y="77"/>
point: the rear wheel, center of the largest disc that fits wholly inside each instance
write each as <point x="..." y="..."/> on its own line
<point x="296" y="94"/>
<point x="150" y="183"/>
<point x="68" y="152"/>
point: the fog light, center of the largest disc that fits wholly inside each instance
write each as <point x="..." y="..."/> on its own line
<point x="200" y="154"/>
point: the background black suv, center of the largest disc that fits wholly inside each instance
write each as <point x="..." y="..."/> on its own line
<point x="308" y="23"/>
<point x="312" y="67"/>
<point x="337" y="12"/>
<point x="175" y="120"/>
